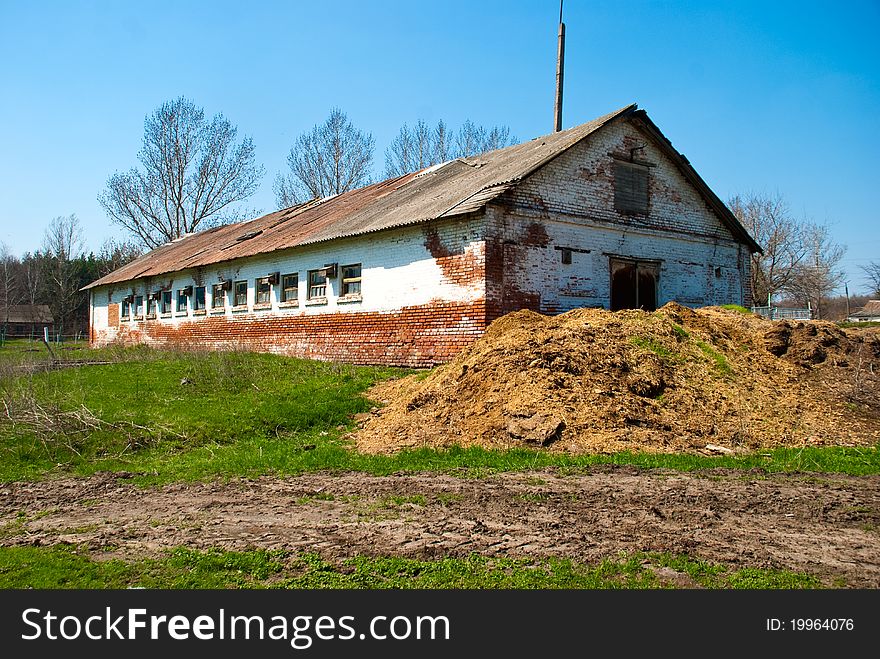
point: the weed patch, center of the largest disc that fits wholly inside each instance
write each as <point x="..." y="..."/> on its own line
<point x="69" y="567"/>
<point x="135" y="413"/>
<point x="719" y="359"/>
<point x="657" y="348"/>
<point x="680" y="331"/>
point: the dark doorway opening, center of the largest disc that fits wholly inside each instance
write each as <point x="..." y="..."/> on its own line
<point x="634" y="284"/>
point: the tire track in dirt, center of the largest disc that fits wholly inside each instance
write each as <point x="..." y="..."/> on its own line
<point x="825" y="524"/>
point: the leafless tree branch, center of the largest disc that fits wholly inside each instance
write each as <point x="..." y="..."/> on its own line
<point x="872" y="276"/>
<point x="193" y="171"/>
<point x="420" y="147"/>
<point x="801" y="259"/>
<point x="330" y="159"/>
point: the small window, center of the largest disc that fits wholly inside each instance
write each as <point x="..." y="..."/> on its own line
<point x="317" y="284"/>
<point x="181" y="300"/>
<point x="566" y="256"/>
<point x="290" y="288"/>
<point x="126" y="308"/>
<point x="241" y="293"/>
<point x="166" y="301"/>
<point x="351" y="279"/>
<point x="139" y="306"/>
<point x="152" y="303"/>
<point x="264" y="291"/>
<point x="218" y="296"/>
<point x="199" y="299"/>
<point x="630" y="188"/>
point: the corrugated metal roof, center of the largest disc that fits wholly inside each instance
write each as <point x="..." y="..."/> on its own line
<point x="454" y="188"/>
<point x="29" y="313"/>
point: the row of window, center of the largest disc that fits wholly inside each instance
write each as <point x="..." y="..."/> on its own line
<point x="350" y="286"/>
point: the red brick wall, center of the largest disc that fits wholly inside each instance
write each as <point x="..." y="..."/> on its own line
<point x="417" y="336"/>
<point x="113" y="314"/>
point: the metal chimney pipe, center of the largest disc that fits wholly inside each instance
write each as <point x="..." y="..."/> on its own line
<point x="560" y="66"/>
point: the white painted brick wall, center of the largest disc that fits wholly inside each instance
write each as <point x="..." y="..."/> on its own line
<point x="398" y="271"/>
<point x="579" y="183"/>
<point x="573" y="199"/>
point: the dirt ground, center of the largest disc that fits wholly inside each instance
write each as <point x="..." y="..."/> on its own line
<point x="826" y="525"/>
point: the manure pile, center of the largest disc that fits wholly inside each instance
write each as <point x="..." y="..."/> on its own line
<point x="677" y="379"/>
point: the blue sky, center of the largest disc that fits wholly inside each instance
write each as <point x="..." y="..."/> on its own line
<point x="779" y="96"/>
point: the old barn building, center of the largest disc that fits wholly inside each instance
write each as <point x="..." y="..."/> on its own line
<point x="870" y="313"/>
<point x="410" y="270"/>
<point x="26" y="320"/>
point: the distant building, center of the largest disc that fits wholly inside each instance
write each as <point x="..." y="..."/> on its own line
<point x="410" y="270"/>
<point x="868" y="313"/>
<point x="27" y="320"/>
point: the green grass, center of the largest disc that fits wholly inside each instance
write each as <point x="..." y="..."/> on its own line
<point x="736" y="307"/>
<point x="871" y="323"/>
<point x="246" y="415"/>
<point x="720" y="360"/>
<point x="446" y="498"/>
<point x="25" y="352"/>
<point x="68" y="567"/>
<point x="63" y="566"/>
<point x="657" y="348"/>
<point x="681" y="331"/>
<point x="249" y="458"/>
<point x="174" y="411"/>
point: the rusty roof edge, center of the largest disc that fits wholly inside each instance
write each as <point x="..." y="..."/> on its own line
<point x="364" y="232"/>
<point x="411" y="177"/>
<point x="305" y="243"/>
<point x="100" y="281"/>
<point x="291" y="212"/>
<point x="353" y="234"/>
<point x="151" y="255"/>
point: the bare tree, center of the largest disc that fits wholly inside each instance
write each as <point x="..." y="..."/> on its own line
<point x="62" y="246"/>
<point x="115" y="253"/>
<point x="441" y="143"/>
<point x="769" y="221"/>
<point x="415" y="149"/>
<point x="193" y="173"/>
<point x="469" y="140"/>
<point x="31" y="288"/>
<point x="330" y="159"/>
<point x="872" y="276"/>
<point x="497" y="137"/>
<point x="31" y="266"/>
<point x="473" y="140"/>
<point x="10" y="290"/>
<point x="819" y="274"/>
<point x="420" y="147"/>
